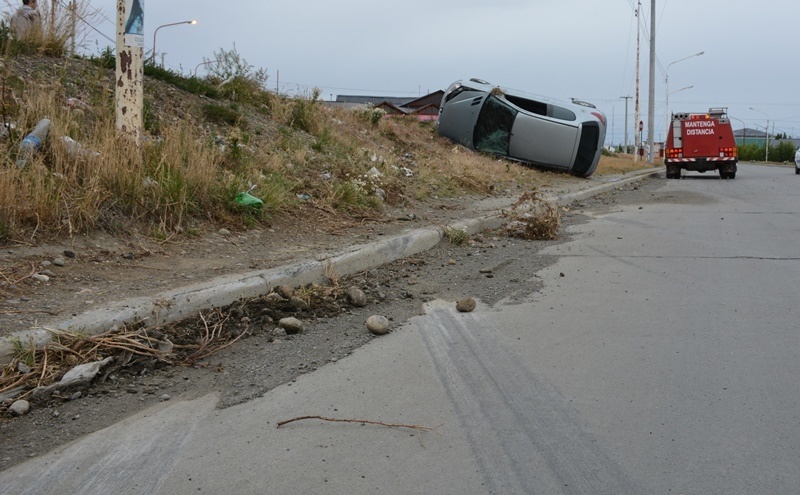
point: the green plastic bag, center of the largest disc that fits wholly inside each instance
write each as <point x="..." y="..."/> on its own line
<point x="246" y="199"/>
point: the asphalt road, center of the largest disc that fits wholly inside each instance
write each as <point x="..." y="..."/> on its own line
<point x="661" y="356"/>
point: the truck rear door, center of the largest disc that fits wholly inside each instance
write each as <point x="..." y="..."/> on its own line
<point x="700" y="138"/>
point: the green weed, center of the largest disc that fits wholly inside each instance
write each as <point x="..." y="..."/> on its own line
<point x="456" y="237"/>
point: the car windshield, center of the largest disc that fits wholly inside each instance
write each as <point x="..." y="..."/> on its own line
<point x="493" y="128"/>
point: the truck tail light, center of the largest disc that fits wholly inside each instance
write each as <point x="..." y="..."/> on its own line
<point x="728" y="152"/>
<point x="675" y="153"/>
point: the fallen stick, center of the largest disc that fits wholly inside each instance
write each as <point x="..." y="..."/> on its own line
<point x="378" y="423"/>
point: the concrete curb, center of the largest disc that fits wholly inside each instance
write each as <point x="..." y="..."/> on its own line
<point x="177" y="304"/>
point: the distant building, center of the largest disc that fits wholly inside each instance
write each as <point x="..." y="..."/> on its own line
<point x="750" y="136"/>
<point x="423" y="108"/>
<point x="754" y="136"/>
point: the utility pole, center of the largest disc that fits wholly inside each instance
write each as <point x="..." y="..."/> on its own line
<point x="636" y="143"/>
<point x="129" y="96"/>
<point x="626" y="98"/>
<point x="651" y="103"/>
<point x="73" y="7"/>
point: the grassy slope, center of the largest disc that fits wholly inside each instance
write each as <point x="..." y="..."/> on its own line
<point x="300" y="155"/>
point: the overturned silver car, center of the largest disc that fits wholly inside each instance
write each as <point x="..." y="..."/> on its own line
<point x="566" y="136"/>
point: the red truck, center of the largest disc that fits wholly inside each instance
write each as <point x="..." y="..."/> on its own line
<point x="701" y="142"/>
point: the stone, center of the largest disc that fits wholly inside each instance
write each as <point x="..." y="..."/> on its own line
<point x="83" y="373"/>
<point x="285" y="291"/>
<point x="356" y="297"/>
<point x="274" y="297"/>
<point x="298" y="303"/>
<point x="291" y="325"/>
<point x="69" y="254"/>
<point x="378" y="324"/>
<point x="20" y="408"/>
<point x="59" y="262"/>
<point x="40" y="277"/>
<point x="466" y="305"/>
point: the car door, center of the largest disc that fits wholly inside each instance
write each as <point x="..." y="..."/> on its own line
<point x="538" y="139"/>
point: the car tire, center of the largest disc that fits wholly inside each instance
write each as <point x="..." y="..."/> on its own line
<point x="797" y="171"/>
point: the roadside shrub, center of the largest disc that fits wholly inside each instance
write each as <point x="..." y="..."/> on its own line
<point x="370" y="114"/>
<point x="782" y="152"/>
<point x="56" y="33"/>
<point x="222" y="115"/>
<point x="606" y="152"/>
<point x="304" y="113"/>
<point x="751" y="153"/>
<point x="234" y="78"/>
<point x="107" y="59"/>
<point x="189" y="84"/>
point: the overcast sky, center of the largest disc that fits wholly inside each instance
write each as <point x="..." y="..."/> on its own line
<point x="559" y="48"/>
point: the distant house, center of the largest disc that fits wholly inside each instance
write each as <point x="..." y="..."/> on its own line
<point x="423" y="108"/>
<point x="356" y="100"/>
<point x="750" y="136"/>
<point x="754" y="136"/>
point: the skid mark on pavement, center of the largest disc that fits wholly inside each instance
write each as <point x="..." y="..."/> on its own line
<point x="131" y="457"/>
<point x="526" y="438"/>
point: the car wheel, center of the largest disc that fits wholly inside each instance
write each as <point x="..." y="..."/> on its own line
<point x="797" y="170"/>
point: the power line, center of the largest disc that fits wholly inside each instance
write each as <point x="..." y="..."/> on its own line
<point x="85" y="21"/>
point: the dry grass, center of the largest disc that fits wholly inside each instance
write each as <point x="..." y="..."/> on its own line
<point x="302" y="157"/>
<point x="620" y="164"/>
<point x="33" y="367"/>
<point x="533" y="217"/>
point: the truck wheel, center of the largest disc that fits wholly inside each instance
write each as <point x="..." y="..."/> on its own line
<point x="673" y="172"/>
<point x="731" y="175"/>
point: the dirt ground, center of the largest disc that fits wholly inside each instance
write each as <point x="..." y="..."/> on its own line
<point x="489" y="267"/>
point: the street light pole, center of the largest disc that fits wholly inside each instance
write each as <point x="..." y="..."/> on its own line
<point x="202" y="64"/>
<point x="153" y="56"/>
<point x="666" y="83"/>
<point x="766" y="130"/>
<point x="651" y="98"/>
<point x="744" y="129"/>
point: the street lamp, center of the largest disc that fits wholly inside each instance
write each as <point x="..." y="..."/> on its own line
<point x="666" y="82"/>
<point x="153" y="57"/>
<point x="766" y="143"/>
<point x="204" y="63"/>
<point x="744" y="129"/>
<point x="666" y="128"/>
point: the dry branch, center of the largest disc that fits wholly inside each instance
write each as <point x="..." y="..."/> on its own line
<point x="364" y="421"/>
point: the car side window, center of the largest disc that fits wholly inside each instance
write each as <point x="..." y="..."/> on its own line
<point x="532" y="106"/>
<point x="493" y="127"/>
<point x="540" y="108"/>
<point x="561" y="113"/>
